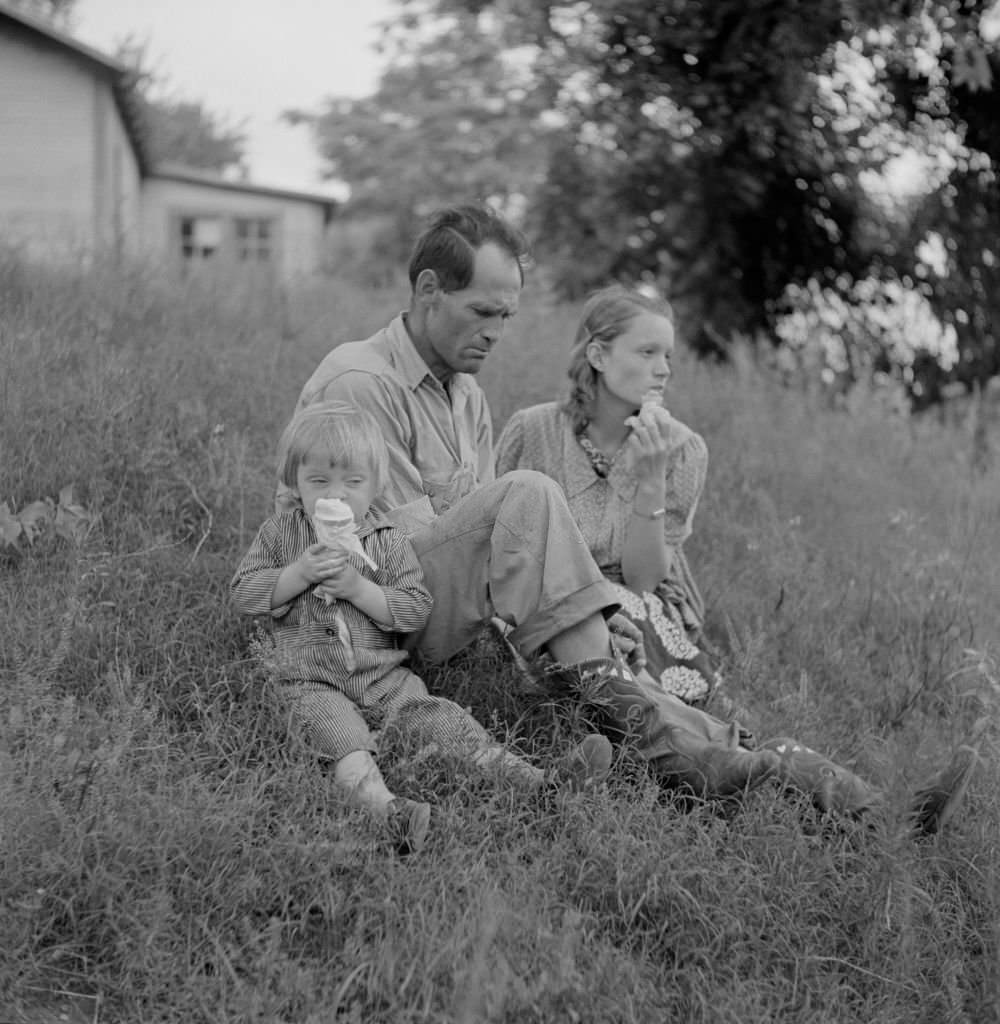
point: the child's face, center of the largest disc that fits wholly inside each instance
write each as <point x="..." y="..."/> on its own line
<point x="321" y="476"/>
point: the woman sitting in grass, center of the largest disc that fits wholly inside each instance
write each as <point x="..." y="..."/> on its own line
<point x="338" y="612"/>
<point x="633" y="476"/>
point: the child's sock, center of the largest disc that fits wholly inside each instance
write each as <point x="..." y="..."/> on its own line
<point x="407" y="821"/>
<point x="358" y="773"/>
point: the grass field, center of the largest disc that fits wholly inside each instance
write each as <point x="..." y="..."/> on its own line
<point x="168" y="853"/>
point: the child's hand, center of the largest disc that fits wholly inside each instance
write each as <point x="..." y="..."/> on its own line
<point x="317" y="563"/>
<point x="340" y="580"/>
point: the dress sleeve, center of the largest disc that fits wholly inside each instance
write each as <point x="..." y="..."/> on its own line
<point x="685" y="483"/>
<point x="510" y="447"/>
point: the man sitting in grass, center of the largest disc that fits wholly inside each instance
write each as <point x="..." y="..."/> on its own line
<point x="509" y="548"/>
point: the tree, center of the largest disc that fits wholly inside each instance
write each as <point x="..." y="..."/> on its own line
<point x="712" y="141"/>
<point x="56" y="11"/>
<point x="446" y="121"/>
<point x="691" y="143"/>
<point x="186" y="132"/>
<point x="954" y="104"/>
<point x="177" y="130"/>
<point x="724" y="151"/>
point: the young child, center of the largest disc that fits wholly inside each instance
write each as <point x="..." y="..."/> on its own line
<point x="336" y="622"/>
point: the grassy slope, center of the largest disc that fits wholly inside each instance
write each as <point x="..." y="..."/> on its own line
<point x="166" y="848"/>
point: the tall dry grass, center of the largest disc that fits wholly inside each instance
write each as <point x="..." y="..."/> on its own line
<point x="169" y="853"/>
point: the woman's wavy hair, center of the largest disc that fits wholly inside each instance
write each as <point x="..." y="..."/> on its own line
<point x="452" y="237"/>
<point x="351" y="435"/>
<point x="606" y="314"/>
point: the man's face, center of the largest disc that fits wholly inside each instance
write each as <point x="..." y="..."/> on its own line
<point x="462" y="327"/>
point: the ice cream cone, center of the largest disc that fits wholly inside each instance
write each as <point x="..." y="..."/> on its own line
<point x="334" y="524"/>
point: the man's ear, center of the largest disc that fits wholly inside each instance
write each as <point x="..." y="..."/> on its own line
<point x="427" y="285"/>
<point x="595" y="355"/>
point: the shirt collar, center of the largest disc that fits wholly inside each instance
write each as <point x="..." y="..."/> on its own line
<point x="580" y="471"/>
<point x="411" y="366"/>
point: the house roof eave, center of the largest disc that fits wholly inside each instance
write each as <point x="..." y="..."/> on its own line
<point x="194" y="176"/>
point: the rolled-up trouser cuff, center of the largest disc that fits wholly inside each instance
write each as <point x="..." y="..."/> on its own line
<point x="597" y="598"/>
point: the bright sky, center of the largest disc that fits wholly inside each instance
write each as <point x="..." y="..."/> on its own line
<point x="251" y="60"/>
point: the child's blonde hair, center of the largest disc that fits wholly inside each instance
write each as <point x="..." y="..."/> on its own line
<point x="350" y="434"/>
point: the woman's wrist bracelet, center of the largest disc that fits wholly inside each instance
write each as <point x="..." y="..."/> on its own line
<point x="658" y="514"/>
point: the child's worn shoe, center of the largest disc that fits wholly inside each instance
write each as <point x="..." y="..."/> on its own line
<point x="407" y="823"/>
<point x="934" y="804"/>
<point x="587" y="764"/>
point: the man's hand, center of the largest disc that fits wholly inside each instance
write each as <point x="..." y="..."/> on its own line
<point x="626" y="639"/>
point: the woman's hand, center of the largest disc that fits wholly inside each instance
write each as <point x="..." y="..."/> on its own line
<point x="650" y="442"/>
<point x="646" y="558"/>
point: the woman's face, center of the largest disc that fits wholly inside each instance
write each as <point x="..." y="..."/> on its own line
<point x="635" y="367"/>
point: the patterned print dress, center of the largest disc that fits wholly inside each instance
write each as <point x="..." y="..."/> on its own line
<point x="600" y="493"/>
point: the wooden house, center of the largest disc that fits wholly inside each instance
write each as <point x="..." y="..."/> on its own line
<point x="76" y="182"/>
<point x="71" y="161"/>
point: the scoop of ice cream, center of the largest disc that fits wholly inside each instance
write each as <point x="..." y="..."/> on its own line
<point x="333" y="512"/>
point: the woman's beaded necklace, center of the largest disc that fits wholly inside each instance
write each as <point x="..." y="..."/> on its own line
<point x="601" y="463"/>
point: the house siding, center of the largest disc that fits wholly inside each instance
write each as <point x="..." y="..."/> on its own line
<point x="299" y="227"/>
<point x="117" y="180"/>
<point x="54" y="162"/>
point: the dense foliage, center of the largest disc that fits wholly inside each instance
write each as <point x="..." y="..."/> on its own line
<point x="725" y="151"/>
<point x="177" y="130"/>
<point x="56" y="11"/>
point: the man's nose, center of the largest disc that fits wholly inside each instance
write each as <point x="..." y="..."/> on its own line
<point x="492" y="332"/>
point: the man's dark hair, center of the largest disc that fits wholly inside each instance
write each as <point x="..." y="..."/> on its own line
<point x="451" y="239"/>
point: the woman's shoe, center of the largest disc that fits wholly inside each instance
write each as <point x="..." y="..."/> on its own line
<point x="935" y="803"/>
<point x="832" y="787"/>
